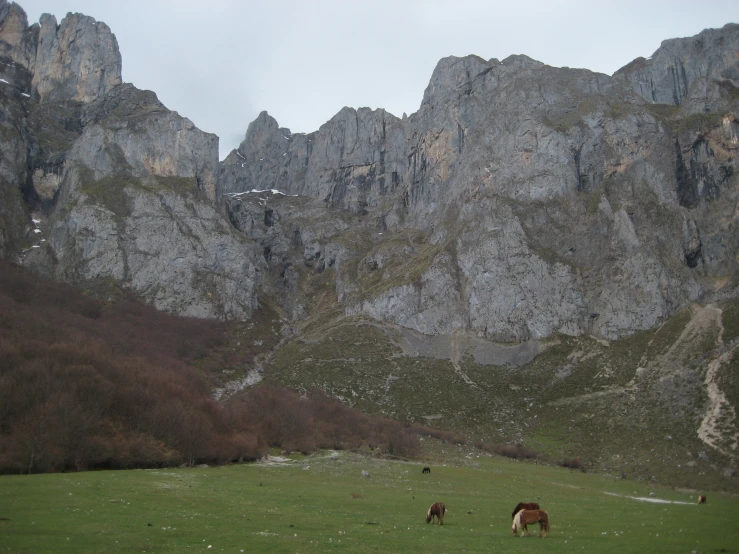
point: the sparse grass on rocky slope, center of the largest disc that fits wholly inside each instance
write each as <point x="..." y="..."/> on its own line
<point x="629" y="408"/>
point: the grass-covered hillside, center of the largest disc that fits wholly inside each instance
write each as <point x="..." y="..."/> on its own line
<point x="320" y="504"/>
<point x="658" y="406"/>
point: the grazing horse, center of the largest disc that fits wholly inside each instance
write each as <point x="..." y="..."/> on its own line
<point x="524" y="517"/>
<point x="436" y="510"/>
<point x="702" y="499"/>
<point x="524" y="506"/>
<point x="426" y="470"/>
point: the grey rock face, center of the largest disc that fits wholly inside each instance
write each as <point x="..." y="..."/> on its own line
<point x="547" y="200"/>
<point x="17" y="40"/>
<point x="133" y="206"/>
<point x="130" y="130"/>
<point x="77" y="60"/>
<point x="299" y="238"/>
<point x="121" y="187"/>
<point x="16" y="53"/>
<point x="351" y="162"/>
<point x="688" y="68"/>
<point x="160" y="237"/>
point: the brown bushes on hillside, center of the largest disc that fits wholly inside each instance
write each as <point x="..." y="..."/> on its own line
<point x="87" y="386"/>
<point x="84" y="385"/>
<point x="445" y="436"/>
<point x="517" y="451"/>
<point x="283" y="418"/>
<point x="572" y="463"/>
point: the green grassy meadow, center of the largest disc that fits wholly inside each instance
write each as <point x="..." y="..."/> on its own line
<point x="315" y="504"/>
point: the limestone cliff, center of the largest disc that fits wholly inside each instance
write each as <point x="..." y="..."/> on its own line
<point x="99" y="180"/>
<point x="690" y="72"/>
<point x="520" y="201"/>
<point x="540" y="199"/>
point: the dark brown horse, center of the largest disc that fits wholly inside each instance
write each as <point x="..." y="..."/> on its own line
<point x="426" y="470"/>
<point x="436" y="510"/>
<point x="524" y="517"/>
<point x="702" y="499"/>
<point x="524" y="506"/>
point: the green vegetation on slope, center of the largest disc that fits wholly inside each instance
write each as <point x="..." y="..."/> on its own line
<point x="629" y="408"/>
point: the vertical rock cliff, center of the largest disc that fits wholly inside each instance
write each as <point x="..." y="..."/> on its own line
<point x="100" y="181"/>
<point x="542" y="199"/>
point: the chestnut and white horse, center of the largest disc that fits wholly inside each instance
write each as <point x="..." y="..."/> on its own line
<point x="524" y="517"/>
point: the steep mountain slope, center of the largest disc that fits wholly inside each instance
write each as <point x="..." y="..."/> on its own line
<point x="464" y="264"/>
<point x="532" y="253"/>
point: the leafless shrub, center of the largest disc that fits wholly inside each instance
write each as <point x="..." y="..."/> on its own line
<point x="517" y="451"/>
<point x="572" y="463"/>
<point x="445" y="436"/>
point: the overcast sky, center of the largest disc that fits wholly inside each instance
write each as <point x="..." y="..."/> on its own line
<point x="221" y="62"/>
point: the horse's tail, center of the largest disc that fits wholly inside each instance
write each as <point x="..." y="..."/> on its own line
<point x="443" y="508"/>
<point x="545" y="521"/>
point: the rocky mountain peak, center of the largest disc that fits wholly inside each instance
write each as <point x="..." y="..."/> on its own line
<point x="17" y="42"/>
<point x="521" y="61"/>
<point x="264" y="138"/>
<point x="454" y="73"/>
<point x="690" y="69"/>
<point x="76" y="60"/>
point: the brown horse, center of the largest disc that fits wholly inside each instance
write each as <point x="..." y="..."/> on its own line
<point x="702" y="499"/>
<point x="524" y="517"/>
<point x="436" y="510"/>
<point x="524" y="506"/>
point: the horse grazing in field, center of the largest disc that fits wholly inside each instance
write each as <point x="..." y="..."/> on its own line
<point x="426" y="470"/>
<point x="524" y="506"/>
<point x="436" y="510"/>
<point x="702" y="499"/>
<point x="524" y="517"/>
